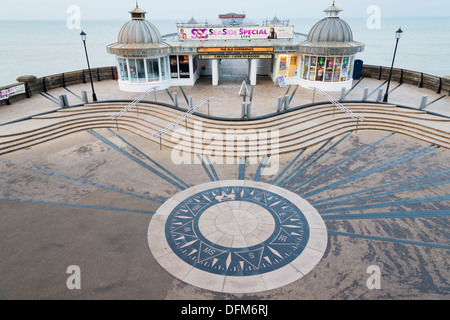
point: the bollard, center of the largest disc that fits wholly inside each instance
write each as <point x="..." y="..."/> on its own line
<point x="84" y="96"/>
<point x="366" y="94"/>
<point x="342" y="93"/>
<point x="286" y="102"/>
<point x="61" y="101"/>
<point x="380" y="95"/>
<point x="243" y="110"/>
<point x="66" y="101"/>
<point x="280" y="104"/>
<point x="175" y="99"/>
<point x="423" y="103"/>
<point x="249" y="109"/>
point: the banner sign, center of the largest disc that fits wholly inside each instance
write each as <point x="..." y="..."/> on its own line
<point x="7" y="93"/>
<point x="234" y="56"/>
<point x="236" y="33"/>
<point x="235" y="49"/>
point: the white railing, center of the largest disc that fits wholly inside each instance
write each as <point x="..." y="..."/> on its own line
<point x="134" y="103"/>
<point x="339" y="105"/>
<point x="184" y="117"/>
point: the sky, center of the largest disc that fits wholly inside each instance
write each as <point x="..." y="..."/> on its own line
<point x="202" y="10"/>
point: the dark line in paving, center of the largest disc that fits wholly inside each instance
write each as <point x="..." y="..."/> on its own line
<point x="342" y="162"/>
<point x="213" y="171"/>
<point x="428" y="104"/>
<point x="261" y="167"/>
<point x="376" y="188"/>
<point x="74" y="94"/>
<point x="390" y="240"/>
<point x="205" y="168"/>
<point x="353" y="87"/>
<point x="242" y="162"/>
<point x="133" y="158"/>
<point x="388" y="164"/>
<point x="388" y="204"/>
<point x="282" y="182"/>
<point x="150" y="159"/>
<point x="389" y="215"/>
<point x="396" y="88"/>
<point x="81" y="181"/>
<point x="379" y="87"/>
<point x="49" y="98"/>
<point x="382" y="194"/>
<point x="288" y="166"/>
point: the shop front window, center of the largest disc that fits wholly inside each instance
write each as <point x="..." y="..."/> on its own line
<point x="123" y="69"/>
<point x="152" y="70"/>
<point x="133" y="71"/>
<point x="141" y="70"/>
<point x="326" y="69"/>
<point x="164" y="61"/>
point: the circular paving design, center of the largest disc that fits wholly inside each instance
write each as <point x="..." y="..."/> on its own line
<point x="237" y="236"/>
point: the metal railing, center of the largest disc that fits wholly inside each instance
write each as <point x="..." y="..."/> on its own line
<point x="133" y="104"/>
<point x="184" y="117"/>
<point x="339" y="105"/>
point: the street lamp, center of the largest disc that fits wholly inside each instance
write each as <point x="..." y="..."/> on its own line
<point x="398" y="35"/>
<point x="83" y="37"/>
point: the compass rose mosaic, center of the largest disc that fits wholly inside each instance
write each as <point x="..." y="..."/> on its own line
<point x="237" y="236"/>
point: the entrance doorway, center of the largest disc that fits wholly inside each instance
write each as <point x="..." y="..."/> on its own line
<point x="232" y="70"/>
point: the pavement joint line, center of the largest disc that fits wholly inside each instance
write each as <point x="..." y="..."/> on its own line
<point x="262" y="165"/>
<point x="205" y="168"/>
<point x="379" y="87"/>
<point x="379" y="187"/>
<point x="282" y="182"/>
<point x="288" y="166"/>
<point x="388" y="204"/>
<point x="241" y="173"/>
<point x="211" y="166"/>
<point x="436" y="100"/>
<point x="342" y="162"/>
<point x="318" y="158"/>
<point x="382" y="194"/>
<point x="354" y="86"/>
<point x="411" y="155"/>
<point x="150" y="159"/>
<point x="389" y="240"/>
<point x="81" y="181"/>
<point x="136" y="160"/>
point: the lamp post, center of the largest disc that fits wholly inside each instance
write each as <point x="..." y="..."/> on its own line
<point x="83" y="37"/>
<point x="398" y="35"/>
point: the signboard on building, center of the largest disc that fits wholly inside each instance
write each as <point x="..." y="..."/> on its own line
<point x="235" y="53"/>
<point x="236" y="33"/>
<point x="13" y="91"/>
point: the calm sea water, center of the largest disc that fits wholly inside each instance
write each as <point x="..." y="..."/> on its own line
<point x="48" y="47"/>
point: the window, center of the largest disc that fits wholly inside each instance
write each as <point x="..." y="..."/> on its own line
<point x="327" y="69"/>
<point x="133" y="70"/>
<point x="123" y="69"/>
<point x="152" y="70"/>
<point x="141" y="70"/>
<point x="164" y="62"/>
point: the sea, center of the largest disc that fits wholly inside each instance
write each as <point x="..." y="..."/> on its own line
<point x="43" y="48"/>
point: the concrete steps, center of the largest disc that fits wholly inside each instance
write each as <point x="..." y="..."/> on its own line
<point x="297" y="129"/>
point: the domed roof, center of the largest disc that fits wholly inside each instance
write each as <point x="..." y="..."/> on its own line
<point x="138" y="38"/>
<point x="331" y="28"/>
<point x="331" y="36"/>
<point x="139" y="30"/>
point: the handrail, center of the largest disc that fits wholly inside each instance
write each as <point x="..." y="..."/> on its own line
<point x="338" y="104"/>
<point x="134" y="103"/>
<point x="180" y="119"/>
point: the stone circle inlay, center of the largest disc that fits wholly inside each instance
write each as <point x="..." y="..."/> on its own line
<point x="237" y="230"/>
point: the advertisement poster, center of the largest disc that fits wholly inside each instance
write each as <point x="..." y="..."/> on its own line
<point x="173" y="67"/>
<point x="5" y="94"/>
<point x="236" y="33"/>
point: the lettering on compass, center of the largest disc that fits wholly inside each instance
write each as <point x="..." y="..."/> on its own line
<point x="237" y="231"/>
